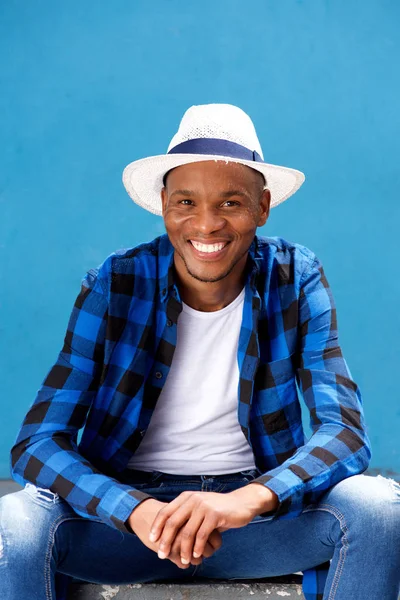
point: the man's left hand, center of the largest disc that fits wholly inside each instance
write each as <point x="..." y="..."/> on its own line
<point x="200" y="513"/>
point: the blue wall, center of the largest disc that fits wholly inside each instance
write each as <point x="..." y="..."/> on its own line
<point x="86" y="87"/>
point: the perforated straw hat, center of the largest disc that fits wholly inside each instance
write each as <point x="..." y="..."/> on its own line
<point x="208" y="132"/>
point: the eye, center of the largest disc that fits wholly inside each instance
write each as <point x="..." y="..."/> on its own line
<point x="233" y="202"/>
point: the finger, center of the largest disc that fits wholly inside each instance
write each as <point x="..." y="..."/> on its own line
<point x="178" y="542"/>
<point x="171" y="528"/>
<point x="203" y="533"/>
<point x="188" y="535"/>
<point x="215" y="539"/>
<point x="175" y="553"/>
<point x="164" y="514"/>
<point x="177" y="561"/>
<point x="207" y="552"/>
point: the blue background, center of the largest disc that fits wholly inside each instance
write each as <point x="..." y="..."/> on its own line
<point x="88" y="87"/>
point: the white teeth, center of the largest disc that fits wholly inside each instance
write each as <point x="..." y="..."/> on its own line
<point x="208" y="247"/>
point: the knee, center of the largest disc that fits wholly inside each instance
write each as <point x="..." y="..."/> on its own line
<point x="14" y="511"/>
<point x="13" y="516"/>
<point x="23" y="523"/>
<point x="366" y="501"/>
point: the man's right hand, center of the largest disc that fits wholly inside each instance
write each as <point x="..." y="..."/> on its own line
<point x="141" y="520"/>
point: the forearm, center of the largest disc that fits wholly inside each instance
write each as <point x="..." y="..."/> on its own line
<point x="89" y="492"/>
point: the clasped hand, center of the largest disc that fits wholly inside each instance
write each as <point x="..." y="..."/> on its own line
<point x="190" y="526"/>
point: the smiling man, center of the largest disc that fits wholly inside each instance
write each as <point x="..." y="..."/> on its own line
<point x="183" y="364"/>
<point x="210" y="258"/>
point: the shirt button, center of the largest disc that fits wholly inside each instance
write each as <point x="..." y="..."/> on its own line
<point x="158" y="374"/>
<point x="169" y="323"/>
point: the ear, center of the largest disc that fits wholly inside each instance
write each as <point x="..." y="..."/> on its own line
<point x="264" y="208"/>
<point x="164" y="198"/>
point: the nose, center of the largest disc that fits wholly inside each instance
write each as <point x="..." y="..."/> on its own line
<point x="207" y="220"/>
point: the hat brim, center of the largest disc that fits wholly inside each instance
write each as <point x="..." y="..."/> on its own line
<point x="143" y="178"/>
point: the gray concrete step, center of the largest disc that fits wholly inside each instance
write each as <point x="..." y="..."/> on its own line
<point x="274" y="589"/>
<point x="7" y="486"/>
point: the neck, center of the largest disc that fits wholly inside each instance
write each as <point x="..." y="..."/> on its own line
<point x="211" y="296"/>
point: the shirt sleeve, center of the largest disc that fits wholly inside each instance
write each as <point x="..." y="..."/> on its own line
<point x="339" y="445"/>
<point x="45" y="452"/>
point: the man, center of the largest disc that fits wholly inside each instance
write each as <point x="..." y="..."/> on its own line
<point x="183" y="363"/>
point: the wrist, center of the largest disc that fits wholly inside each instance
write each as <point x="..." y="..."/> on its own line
<point x="263" y="500"/>
<point x="141" y="512"/>
<point x="269" y="501"/>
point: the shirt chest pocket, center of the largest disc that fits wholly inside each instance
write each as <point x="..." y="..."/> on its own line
<point x="274" y="373"/>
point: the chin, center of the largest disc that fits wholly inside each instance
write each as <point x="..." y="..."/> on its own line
<point x="207" y="275"/>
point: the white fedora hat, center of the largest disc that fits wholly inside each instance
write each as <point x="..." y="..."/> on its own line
<point x="208" y="132"/>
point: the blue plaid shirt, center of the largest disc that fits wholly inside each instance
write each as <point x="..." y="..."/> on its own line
<point x="116" y="356"/>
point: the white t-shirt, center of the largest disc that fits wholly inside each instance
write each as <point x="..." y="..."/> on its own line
<point x="194" y="429"/>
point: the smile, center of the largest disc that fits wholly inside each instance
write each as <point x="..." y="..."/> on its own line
<point x="208" y="251"/>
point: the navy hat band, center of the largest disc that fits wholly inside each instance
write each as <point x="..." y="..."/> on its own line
<point x="216" y="146"/>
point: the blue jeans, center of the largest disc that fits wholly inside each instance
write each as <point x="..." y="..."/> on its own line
<point x="355" y="525"/>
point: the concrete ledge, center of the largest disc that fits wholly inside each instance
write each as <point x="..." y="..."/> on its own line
<point x="274" y="588"/>
<point x="8" y="486"/>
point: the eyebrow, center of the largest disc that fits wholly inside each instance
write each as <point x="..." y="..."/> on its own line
<point x="225" y="194"/>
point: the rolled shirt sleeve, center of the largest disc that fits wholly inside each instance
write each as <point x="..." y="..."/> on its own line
<point x="339" y="445"/>
<point x="45" y="452"/>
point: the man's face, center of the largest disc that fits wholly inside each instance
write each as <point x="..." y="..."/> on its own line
<point x="212" y="202"/>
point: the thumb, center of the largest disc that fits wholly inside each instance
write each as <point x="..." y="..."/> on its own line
<point x="215" y="539"/>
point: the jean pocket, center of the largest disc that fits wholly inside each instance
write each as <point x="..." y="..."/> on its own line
<point x="250" y="475"/>
<point x="152" y="480"/>
<point x="144" y="485"/>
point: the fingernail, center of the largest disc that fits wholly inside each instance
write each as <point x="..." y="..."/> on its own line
<point x="196" y="555"/>
<point x="184" y="561"/>
<point x="152" y="537"/>
<point x="161" y="554"/>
